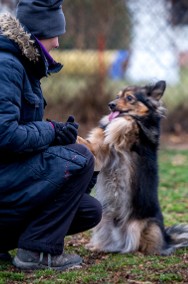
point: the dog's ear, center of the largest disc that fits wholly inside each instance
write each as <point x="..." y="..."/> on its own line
<point x="157" y="90"/>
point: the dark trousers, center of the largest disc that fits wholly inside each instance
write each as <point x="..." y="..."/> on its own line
<point x="73" y="210"/>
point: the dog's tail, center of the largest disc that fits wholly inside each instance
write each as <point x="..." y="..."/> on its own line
<point x="178" y="235"/>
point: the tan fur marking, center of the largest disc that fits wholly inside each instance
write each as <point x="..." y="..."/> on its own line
<point x="128" y="93"/>
<point x="141" y="109"/>
<point x="151" y="239"/>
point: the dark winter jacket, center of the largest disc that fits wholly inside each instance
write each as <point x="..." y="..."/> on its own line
<point x="21" y="100"/>
<point x="30" y="169"/>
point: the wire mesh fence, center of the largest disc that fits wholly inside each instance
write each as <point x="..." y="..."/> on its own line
<point x="121" y="42"/>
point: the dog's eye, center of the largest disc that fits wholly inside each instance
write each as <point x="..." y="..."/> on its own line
<point x="130" y="98"/>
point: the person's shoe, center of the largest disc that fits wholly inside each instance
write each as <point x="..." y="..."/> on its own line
<point x="29" y="260"/>
<point x="5" y="256"/>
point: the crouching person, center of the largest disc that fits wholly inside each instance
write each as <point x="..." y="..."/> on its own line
<point x="45" y="177"/>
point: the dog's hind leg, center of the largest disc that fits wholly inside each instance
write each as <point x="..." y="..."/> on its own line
<point x="153" y="240"/>
<point x="131" y="235"/>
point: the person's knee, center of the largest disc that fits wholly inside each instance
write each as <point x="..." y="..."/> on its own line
<point x="83" y="150"/>
<point x="88" y="215"/>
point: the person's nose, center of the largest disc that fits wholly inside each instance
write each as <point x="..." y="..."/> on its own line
<point x="57" y="44"/>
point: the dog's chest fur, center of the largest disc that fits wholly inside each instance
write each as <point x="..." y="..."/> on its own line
<point x="113" y="186"/>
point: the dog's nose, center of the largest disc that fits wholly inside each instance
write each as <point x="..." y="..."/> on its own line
<point x="112" y="105"/>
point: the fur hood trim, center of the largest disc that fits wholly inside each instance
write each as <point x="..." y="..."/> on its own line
<point x="12" y="29"/>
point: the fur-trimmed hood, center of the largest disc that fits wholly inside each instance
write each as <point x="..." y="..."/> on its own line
<point x="13" y="30"/>
<point x="16" y="39"/>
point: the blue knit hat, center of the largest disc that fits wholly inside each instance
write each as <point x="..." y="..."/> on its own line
<point x="43" y="18"/>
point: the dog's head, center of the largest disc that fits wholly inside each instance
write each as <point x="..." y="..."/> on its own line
<point x="138" y="101"/>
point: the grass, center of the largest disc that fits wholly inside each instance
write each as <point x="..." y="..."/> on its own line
<point x="173" y="185"/>
<point x="129" y="268"/>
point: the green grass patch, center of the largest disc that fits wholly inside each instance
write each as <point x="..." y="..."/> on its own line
<point x="173" y="192"/>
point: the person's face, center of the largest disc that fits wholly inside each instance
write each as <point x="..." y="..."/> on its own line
<point x="50" y="43"/>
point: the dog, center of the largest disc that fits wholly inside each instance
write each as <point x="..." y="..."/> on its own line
<point x="125" y="146"/>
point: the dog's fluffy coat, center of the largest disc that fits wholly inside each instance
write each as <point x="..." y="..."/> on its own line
<point x="125" y="146"/>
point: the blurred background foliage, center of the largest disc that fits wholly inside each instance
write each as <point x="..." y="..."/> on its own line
<point x="96" y="24"/>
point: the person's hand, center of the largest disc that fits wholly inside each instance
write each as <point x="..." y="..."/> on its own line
<point x="65" y="133"/>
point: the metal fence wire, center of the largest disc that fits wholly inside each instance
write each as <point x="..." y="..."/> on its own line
<point x="123" y="41"/>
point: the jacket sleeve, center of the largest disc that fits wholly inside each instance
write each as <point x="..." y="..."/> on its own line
<point x="15" y="137"/>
